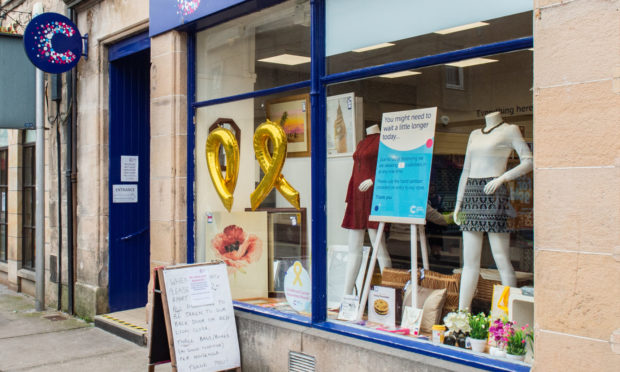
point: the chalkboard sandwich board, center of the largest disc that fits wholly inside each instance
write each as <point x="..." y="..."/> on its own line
<point x="192" y="322"/>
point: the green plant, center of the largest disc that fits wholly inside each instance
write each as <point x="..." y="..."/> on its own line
<point x="516" y="340"/>
<point x="479" y="325"/>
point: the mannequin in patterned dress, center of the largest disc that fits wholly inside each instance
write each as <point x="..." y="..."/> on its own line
<point x="359" y="200"/>
<point x="483" y="201"/>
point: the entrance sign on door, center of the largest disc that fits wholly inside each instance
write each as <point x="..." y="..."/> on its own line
<point x="124" y="193"/>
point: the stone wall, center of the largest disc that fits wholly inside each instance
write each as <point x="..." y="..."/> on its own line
<point x="106" y="22"/>
<point x="265" y="344"/>
<point x="577" y="172"/>
<point x="168" y="149"/>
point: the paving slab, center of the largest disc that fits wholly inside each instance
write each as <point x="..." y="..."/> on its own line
<point x="54" y="341"/>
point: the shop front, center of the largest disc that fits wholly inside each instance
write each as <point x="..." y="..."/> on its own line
<point x="365" y="170"/>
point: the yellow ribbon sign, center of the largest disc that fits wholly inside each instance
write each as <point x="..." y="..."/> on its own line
<point x="502" y="304"/>
<point x="224" y="187"/>
<point x="297" y="270"/>
<point x="272" y="165"/>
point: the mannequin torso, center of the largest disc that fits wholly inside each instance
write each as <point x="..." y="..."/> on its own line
<point x="489" y="152"/>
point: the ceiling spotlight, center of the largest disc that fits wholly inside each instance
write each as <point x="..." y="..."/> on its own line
<point x="286" y="59"/>
<point x="471" y="62"/>
<point x="400" y="74"/>
<point x="461" y="28"/>
<point x="373" y="47"/>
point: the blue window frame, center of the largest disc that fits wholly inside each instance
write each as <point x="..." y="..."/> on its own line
<point x="318" y="83"/>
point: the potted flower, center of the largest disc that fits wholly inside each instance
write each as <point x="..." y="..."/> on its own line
<point x="479" y="325"/>
<point x="499" y="332"/>
<point x="458" y="327"/>
<point x="516" y="342"/>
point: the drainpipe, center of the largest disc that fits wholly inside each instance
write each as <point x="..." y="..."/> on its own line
<point x="71" y="77"/>
<point x="59" y="175"/>
<point x="71" y="120"/>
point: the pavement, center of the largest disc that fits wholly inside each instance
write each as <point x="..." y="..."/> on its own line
<point x="53" y="341"/>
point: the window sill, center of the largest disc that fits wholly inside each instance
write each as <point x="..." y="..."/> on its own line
<point x="26" y="274"/>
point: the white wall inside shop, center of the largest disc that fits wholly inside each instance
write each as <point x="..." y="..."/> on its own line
<point x="225" y="66"/>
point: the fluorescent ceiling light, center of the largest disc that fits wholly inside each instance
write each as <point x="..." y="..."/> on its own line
<point x="286" y="59"/>
<point x="471" y="62"/>
<point x="400" y="74"/>
<point x="373" y="47"/>
<point x="461" y="28"/>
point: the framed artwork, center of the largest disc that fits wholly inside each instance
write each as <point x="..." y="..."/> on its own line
<point x="293" y="113"/>
<point x="286" y="228"/>
<point x="341" y="131"/>
<point x="240" y="239"/>
<point x="337" y="260"/>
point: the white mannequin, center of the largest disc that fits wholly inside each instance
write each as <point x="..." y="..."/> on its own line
<point x="487" y="155"/>
<point x="356" y="239"/>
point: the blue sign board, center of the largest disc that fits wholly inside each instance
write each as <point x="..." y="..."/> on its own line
<point x="17" y="85"/>
<point x="53" y="43"/>
<point x="404" y="166"/>
<point x="166" y="15"/>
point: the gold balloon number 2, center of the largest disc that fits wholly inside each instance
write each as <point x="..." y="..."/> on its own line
<point x="270" y="164"/>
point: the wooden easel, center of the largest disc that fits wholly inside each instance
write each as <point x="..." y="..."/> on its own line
<point x="415" y="230"/>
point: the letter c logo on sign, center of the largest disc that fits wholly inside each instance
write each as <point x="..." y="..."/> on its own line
<point x="53" y="43"/>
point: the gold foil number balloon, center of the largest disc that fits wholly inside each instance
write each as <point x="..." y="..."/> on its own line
<point x="225" y="187"/>
<point x="271" y="165"/>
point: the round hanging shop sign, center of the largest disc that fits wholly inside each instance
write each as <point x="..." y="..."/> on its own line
<point x="53" y="43"/>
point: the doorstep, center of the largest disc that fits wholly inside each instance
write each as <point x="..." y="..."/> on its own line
<point x="128" y="324"/>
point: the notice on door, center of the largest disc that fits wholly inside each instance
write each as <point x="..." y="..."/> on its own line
<point x="124" y="193"/>
<point x="129" y="168"/>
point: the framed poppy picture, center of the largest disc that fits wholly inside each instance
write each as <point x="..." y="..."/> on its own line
<point x="293" y="114"/>
<point x="240" y="239"/>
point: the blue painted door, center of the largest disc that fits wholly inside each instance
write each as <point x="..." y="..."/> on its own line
<point x="129" y="238"/>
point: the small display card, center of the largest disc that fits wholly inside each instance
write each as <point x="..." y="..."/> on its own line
<point x="348" y="308"/>
<point x="382" y="306"/>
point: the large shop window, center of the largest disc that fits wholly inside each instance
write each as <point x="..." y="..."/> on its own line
<point x="266" y="49"/>
<point x="468" y="183"/>
<point x="246" y="214"/>
<point x="363" y="33"/>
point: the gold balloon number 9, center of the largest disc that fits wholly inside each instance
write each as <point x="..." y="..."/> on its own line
<point x="225" y="187"/>
<point x="270" y="164"/>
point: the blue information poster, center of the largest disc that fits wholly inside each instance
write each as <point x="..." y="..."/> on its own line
<point x="404" y="166"/>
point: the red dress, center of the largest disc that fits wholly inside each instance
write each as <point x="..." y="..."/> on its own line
<point x="358" y="202"/>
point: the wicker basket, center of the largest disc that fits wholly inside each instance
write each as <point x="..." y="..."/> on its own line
<point x="396" y="278"/>
<point x="484" y="290"/>
<point x="451" y="283"/>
